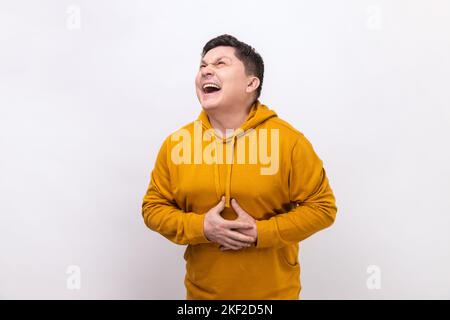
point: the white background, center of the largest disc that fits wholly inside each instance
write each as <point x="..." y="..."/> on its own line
<point x="84" y="108"/>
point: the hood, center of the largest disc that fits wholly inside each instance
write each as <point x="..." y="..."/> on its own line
<point x="258" y="114"/>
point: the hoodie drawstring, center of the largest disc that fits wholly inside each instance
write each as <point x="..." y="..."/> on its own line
<point x="216" y="170"/>
<point x="258" y="114"/>
<point x="229" y="165"/>
<point x="228" y="181"/>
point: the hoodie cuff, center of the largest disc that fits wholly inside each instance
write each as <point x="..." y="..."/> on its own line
<point x="266" y="233"/>
<point x="196" y="229"/>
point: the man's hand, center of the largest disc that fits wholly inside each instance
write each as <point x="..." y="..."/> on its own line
<point x="246" y="218"/>
<point x="220" y="230"/>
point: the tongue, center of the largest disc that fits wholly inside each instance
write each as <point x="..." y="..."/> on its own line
<point x="211" y="90"/>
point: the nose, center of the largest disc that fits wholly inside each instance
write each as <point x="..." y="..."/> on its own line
<point x="207" y="71"/>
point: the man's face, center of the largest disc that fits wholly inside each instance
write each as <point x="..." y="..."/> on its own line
<point x="221" y="80"/>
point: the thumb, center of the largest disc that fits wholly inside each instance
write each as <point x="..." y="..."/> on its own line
<point x="237" y="208"/>
<point x="220" y="206"/>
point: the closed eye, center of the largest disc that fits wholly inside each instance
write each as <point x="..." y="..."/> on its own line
<point x="217" y="63"/>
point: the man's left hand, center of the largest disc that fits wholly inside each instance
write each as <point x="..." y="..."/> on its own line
<point x="244" y="217"/>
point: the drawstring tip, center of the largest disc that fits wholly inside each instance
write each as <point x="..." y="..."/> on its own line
<point x="227" y="202"/>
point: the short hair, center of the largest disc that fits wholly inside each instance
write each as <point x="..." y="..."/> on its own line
<point x="252" y="60"/>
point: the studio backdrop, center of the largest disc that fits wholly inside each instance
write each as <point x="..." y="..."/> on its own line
<point x="90" y="89"/>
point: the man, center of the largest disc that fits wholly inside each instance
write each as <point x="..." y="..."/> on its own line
<point x="239" y="186"/>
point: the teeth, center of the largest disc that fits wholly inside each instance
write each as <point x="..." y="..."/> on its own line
<point x="210" y="85"/>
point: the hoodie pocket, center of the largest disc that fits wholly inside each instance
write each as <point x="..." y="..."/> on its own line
<point x="289" y="256"/>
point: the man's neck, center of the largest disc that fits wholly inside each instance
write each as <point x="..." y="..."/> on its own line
<point x="221" y="120"/>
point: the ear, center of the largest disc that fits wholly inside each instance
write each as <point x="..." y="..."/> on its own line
<point x="252" y="84"/>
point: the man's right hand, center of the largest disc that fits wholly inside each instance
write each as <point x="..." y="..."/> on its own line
<point x="220" y="230"/>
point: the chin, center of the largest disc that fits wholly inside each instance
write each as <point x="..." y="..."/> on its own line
<point x="209" y="103"/>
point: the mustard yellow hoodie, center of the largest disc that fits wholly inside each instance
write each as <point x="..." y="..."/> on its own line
<point x="290" y="200"/>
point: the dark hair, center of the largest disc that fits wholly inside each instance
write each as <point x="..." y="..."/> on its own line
<point x="252" y="60"/>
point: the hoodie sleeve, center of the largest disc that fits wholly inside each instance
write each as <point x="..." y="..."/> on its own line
<point x="162" y="214"/>
<point x="314" y="201"/>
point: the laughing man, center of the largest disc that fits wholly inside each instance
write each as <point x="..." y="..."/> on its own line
<point x="239" y="186"/>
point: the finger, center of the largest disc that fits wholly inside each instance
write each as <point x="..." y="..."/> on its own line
<point x="236" y="244"/>
<point x="235" y="235"/>
<point x="227" y="246"/>
<point x="237" y="208"/>
<point x="221" y="202"/>
<point x="237" y="225"/>
<point x="220" y="205"/>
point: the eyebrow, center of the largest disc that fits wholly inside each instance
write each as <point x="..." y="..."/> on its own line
<point x="204" y="62"/>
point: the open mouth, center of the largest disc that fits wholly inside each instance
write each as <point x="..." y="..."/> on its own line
<point x="211" y="88"/>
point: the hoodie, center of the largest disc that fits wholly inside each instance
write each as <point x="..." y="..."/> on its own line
<point x="274" y="174"/>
